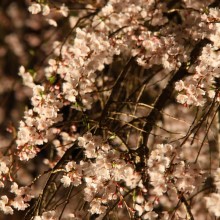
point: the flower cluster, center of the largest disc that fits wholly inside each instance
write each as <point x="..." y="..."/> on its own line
<point x="4" y="205"/>
<point x="88" y="54"/>
<point x="201" y="84"/>
<point x="35" y="130"/>
<point x="167" y="172"/>
<point x="103" y="175"/>
<point x="22" y="197"/>
<point x="36" y="8"/>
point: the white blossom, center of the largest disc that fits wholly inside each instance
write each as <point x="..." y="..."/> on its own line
<point x="4" y="206"/>
<point x="35" y="8"/>
<point x="213" y="204"/>
<point x="64" y="10"/>
<point x="46" y="10"/>
<point x="52" y="22"/>
<point x="66" y="181"/>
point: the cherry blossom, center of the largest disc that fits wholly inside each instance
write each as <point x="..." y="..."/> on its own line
<point x="123" y="113"/>
<point x="35" y="8"/>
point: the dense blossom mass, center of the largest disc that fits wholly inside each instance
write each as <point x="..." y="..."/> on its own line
<point x="123" y="117"/>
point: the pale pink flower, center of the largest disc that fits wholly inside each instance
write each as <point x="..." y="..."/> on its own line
<point x="179" y="86"/>
<point x="15" y="189"/>
<point x="3" y="167"/>
<point x="19" y="204"/>
<point x="35" y="8"/>
<point x="26" y="77"/>
<point x="211" y="94"/>
<point x="4" y="207"/>
<point x="66" y="181"/>
<point x="213" y="203"/>
<point x="97" y="207"/>
<point x="139" y="209"/>
<point x="64" y="10"/>
<point x="52" y="22"/>
<point x="46" y="10"/>
<point x="182" y="98"/>
<point x="8" y="210"/>
<point x="148" y="206"/>
<point x="139" y="199"/>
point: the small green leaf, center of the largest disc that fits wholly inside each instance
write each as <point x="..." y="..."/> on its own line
<point x="134" y="196"/>
<point x="31" y="71"/>
<point x="52" y="79"/>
